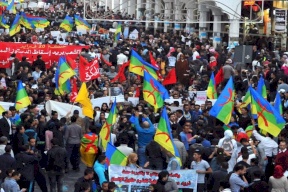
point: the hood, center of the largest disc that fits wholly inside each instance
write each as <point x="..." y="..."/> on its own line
<point x="228" y="134"/>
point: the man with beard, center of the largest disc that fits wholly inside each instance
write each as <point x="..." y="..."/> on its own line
<point x="237" y="179"/>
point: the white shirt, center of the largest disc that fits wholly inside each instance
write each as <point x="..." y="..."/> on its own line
<point x="10" y="124"/>
<point x="172" y="61"/>
<point x="195" y="54"/>
<point x="269" y="145"/>
<point x="125" y="149"/>
<point x="36" y="75"/>
<point x="121" y="58"/>
<point x="255" y="63"/>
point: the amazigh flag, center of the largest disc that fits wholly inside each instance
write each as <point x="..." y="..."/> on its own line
<point x="115" y="156"/>
<point x="118" y="32"/>
<point x="80" y="22"/>
<point x="89" y="149"/>
<point x="22" y="99"/>
<point x="211" y="90"/>
<point x="64" y="72"/>
<point x="15" y="27"/>
<point x="3" y="22"/>
<point x="153" y="91"/>
<point x="3" y="3"/>
<point x="223" y="107"/>
<point x="268" y="118"/>
<point x="261" y="88"/>
<point x="105" y="133"/>
<point x="138" y="65"/>
<point x="64" y="89"/>
<point x="278" y="104"/>
<point x="67" y="24"/>
<point x="37" y="22"/>
<point x="11" y="6"/>
<point x="164" y="137"/>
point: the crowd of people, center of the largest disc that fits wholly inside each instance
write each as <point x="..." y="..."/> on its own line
<point x="35" y="145"/>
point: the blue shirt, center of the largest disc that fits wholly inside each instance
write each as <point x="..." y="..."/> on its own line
<point x="100" y="171"/>
<point x="201" y="166"/>
<point x="205" y="142"/>
<point x="145" y="135"/>
<point x="15" y="119"/>
<point x="10" y="185"/>
<point x="236" y="183"/>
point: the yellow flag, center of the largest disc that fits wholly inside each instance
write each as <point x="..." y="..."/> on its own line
<point x="1" y="110"/>
<point x="83" y="99"/>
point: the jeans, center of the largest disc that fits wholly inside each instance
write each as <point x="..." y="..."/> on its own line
<point x="73" y="153"/>
<point x="55" y="179"/>
<point x="141" y="156"/>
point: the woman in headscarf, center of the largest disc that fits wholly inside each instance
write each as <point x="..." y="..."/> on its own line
<point x="182" y="71"/>
<point x="230" y="148"/>
<point x="278" y="182"/>
<point x="89" y="148"/>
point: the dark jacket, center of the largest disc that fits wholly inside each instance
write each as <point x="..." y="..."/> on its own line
<point x="25" y="165"/>
<point x="59" y="135"/>
<point x="40" y="63"/>
<point x="258" y="186"/>
<point x="57" y="159"/>
<point x="18" y="142"/>
<point x="80" y="182"/>
<point x="7" y="162"/>
<point x="4" y="128"/>
<point x="215" y="178"/>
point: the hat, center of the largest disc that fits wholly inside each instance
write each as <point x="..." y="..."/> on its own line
<point x="198" y="151"/>
<point x="76" y="112"/>
<point x="198" y="57"/>
<point x="229" y="61"/>
<point x="282" y="91"/>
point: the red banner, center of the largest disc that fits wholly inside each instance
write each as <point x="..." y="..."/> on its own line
<point x="49" y="53"/>
<point x="88" y="71"/>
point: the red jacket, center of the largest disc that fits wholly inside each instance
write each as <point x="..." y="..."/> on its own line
<point x="282" y="159"/>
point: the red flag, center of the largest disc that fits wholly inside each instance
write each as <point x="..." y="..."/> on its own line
<point x="153" y="61"/>
<point x="121" y="73"/>
<point x="105" y="61"/>
<point x="219" y="77"/>
<point x="71" y="62"/>
<point x="172" y="49"/>
<point x="88" y="71"/>
<point x="170" y="78"/>
<point x="74" y="91"/>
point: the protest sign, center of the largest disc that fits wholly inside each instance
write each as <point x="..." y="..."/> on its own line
<point x="201" y="96"/>
<point x="49" y="53"/>
<point x="62" y="108"/>
<point x="131" y="179"/>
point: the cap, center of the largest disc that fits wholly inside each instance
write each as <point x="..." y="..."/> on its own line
<point x="198" y="151"/>
<point x="76" y="112"/>
<point x="282" y="91"/>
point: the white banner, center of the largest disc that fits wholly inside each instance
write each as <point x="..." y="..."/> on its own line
<point x="62" y="108"/>
<point x="6" y="106"/>
<point x="139" y="179"/>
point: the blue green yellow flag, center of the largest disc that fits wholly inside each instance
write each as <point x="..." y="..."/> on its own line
<point x="278" y="104"/>
<point x="80" y="22"/>
<point x="67" y="24"/>
<point x="63" y="73"/>
<point x="153" y="91"/>
<point x="15" y="27"/>
<point x="261" y="88"/>
<point x="118" y="32"/>
<point x="138" y="65"/>
<point x="22" y="99"/>
<point x="105" y="133"/>
<point x="223" y="107"/>
<point x="114" y="156"/>
<point x="268" y="118"/>
<point x="211" y="89"/>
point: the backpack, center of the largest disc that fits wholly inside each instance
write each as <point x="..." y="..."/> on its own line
<point x="227" y="145"/>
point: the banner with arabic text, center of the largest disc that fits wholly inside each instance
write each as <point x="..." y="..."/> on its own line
<point x="49" y="53"/>
<point x="129" y="179"/>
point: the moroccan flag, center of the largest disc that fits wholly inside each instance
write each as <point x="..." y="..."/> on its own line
<point x="121" y="73"/>
<point x="83" y="99"/>
<point x="118" y="32"/>
<point x="105" y="133"/>
<point x="88" y="71"/>
<point x="153" y="92"/>
<point x="105" y="61"/>
<point x="269" y="119"/>
<point x="80" y="22"/>
<point x="15" y="27"/>
<point x="71" y="62"/>
<point x="22" y="99"/>
<point x="2" y="110"/>
<point x="65" y="72"/>
<point x="219" y="76"/>
<point x="170" y="78"/>
<point x="211" y="90"/>
<point x="115" y="156"/>
<point x="89" y="149"/>
<point x="261" y="88"/>
<point x="223" y="107"/>
<point x="74" y="90"/>
<point x="3" y="22"/>
<point x="153" y="61"/>
<point x="67" y="24"/>
<point x="138" y="65"/>
<point x="278" y="104"/>
<point x="164" y="137"/>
